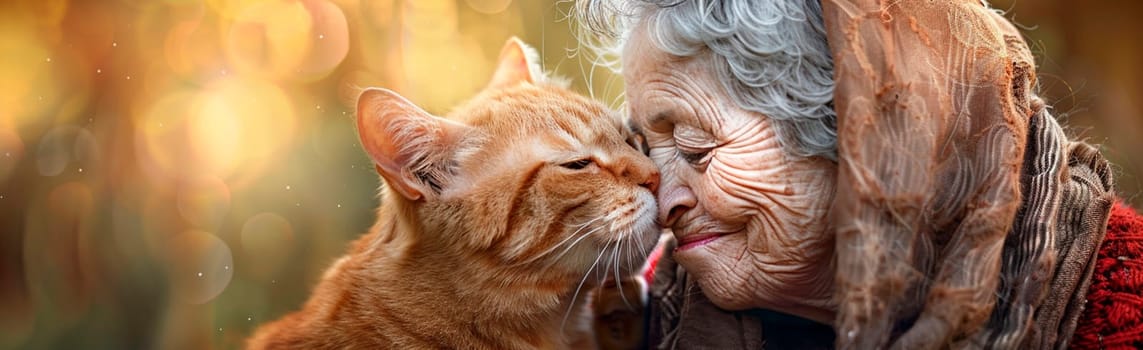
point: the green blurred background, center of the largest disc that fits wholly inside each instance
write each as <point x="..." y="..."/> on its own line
<point x="174" y="173"/>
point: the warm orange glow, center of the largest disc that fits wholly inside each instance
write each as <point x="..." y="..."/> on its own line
<point x="204" y="204"/>
<point x="267" y="241"/>
<point x="489" y="6"/>
<point x="329" y="40"/>
<point x="253" y="117"/>
<point x="145" y="142"/>
<point x="161" y="141"/>
<point x="26" y="66"/>
<point x="200" y="266"/>
<point x="270" y="38"/>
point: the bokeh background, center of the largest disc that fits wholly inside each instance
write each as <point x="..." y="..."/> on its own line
<point x="175" y="172"/>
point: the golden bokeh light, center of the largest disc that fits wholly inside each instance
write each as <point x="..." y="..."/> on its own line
<point x="179" y="171"/>
<point x="49" y="12"/>
<point x="429" y="19"/>
<point x="161" y="142"/>
<point x="489" y="6"/>
<point x="216" y="130"/>
<point x="54" y="153"/>
<point x="231" y="124"/>
<point x="230" y="9"/>
<point x="330" y="40"/>
<point x="200" y="268"/>
<point x="380" y="14"/>
<point x="189" y="50"/>
<point x="143" y="143"/>
<point x="66" y="148"/>
<point x="240" y="123"/>
<point x="11" y="151"/>
<point x="204" y="203"/>
<point x="267" y="243"/>
<point x="270" y="39"/>
<point x="25" y="65"/>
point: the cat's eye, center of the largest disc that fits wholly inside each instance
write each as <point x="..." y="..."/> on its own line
<point x="577" y="164"/>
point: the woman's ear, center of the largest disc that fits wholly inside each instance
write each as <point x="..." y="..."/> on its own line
<point x="411" y="148"/>
<point x="518" y="63"/>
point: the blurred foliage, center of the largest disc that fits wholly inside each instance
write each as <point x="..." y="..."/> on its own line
<point x="174" y="173"/>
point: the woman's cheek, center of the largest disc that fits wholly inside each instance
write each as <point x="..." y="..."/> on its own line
<point x="723" y="196"/>
<point x="750" y="170"/>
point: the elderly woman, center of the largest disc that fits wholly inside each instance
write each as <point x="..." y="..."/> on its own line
<point x="884" y="169"/>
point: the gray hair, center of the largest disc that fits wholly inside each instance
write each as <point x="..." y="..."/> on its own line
<point x="772" y="55"/>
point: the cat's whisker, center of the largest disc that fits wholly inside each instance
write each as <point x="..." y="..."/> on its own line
<point x="569" y="247"/>
<point x="642" y="249"/>
<point x="632" y="255"/>
<point x="563" y="325"/>
<point x="617" y="277"/>
<point x="572" y="235"/>
<point x="636" y="252"/>
<point x="621" y="293"/>
<point x="605" y="270"/>
<point x="618" y="254"/>
<point x="537" y="257"/>
<point x="639" y="241"/>
<point x="607" y="267"/>
<point x="589" y="222"/>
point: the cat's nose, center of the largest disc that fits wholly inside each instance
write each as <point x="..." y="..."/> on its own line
<point x="645" y="175"/>
<point x="652" y="182"/>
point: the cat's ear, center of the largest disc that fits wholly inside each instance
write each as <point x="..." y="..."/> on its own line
<point x="411" y="148"/>
<point x="518" y="63"/>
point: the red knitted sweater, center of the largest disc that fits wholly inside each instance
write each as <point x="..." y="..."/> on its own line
<point x="1113" y="318"/>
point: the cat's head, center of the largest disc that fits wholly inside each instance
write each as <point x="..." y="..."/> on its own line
<point x="526" y="173"/>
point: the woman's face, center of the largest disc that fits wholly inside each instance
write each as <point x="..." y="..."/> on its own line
<point x="750" y="220"/>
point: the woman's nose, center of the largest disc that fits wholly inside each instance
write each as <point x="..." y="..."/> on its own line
<point x="673" y="202"/>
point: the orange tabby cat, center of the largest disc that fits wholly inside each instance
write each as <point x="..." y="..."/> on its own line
<point x="496" y="223"/>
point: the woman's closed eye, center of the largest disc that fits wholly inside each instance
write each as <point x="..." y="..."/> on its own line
<point x="693" y="145"/>
<point x="696" y="157"/>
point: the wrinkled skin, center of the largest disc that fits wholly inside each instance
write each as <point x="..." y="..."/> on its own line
<point x="723" y="172"/>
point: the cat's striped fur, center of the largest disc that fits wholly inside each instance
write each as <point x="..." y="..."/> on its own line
<point x="495" y="225"/>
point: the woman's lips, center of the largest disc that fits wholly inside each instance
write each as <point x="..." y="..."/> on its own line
<point x="693" y="241"/>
